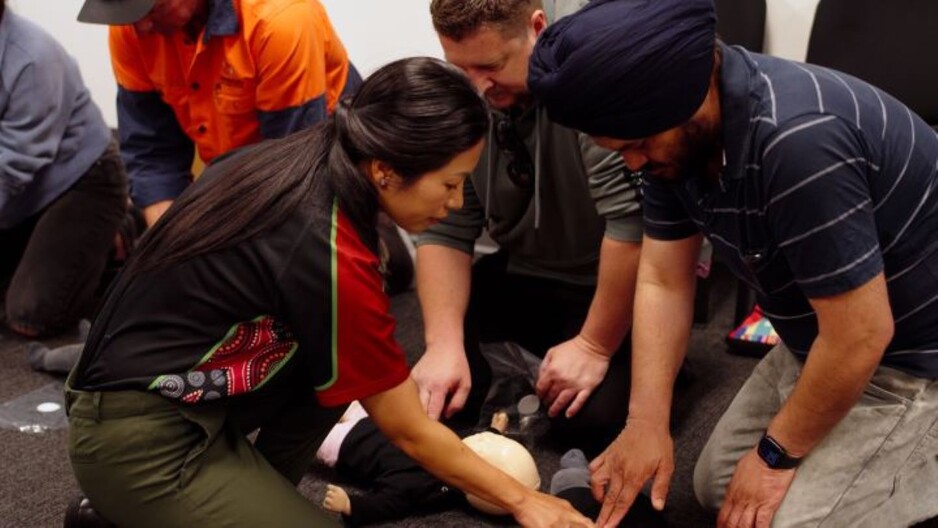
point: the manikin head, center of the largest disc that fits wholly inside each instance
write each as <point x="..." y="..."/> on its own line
<point x="508" y="456"/>
<point x="491" y="40"/>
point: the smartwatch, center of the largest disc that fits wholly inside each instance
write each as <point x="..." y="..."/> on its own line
<point x="774" y="455"/>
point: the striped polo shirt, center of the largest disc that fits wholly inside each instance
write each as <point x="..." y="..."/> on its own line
<point x="827" y="182"/>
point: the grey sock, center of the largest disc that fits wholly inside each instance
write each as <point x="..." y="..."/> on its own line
<point x="55" y="360"/>
<point x="574" y="458"/>
<point x="35" y="354"/>
<point x="567" y="478"/>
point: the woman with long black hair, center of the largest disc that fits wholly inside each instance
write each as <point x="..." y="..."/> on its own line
<point x="256" y="304"/>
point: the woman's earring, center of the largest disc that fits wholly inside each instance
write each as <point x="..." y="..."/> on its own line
<point x="383" y="182"/>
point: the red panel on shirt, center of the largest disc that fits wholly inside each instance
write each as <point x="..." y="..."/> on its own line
<point x="368" y="358"/>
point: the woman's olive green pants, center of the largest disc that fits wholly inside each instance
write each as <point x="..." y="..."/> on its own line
<point x="144" y="460"/>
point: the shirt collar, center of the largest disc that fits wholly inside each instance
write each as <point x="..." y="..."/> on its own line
<point x="222" y="20"/>
<point x="738" y="99"/>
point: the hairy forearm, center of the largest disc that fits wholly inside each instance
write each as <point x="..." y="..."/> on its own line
<point x="443" y="281"/>
<point x="659" y="343"/>
<point x="610" y="314"/>
<point x="854" y="329"/>
<point x="664" y="302"/>
<point x="830" y="384"/>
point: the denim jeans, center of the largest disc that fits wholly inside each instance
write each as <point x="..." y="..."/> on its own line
<point x="878" y="467"/>
<point x="52" y="262"/>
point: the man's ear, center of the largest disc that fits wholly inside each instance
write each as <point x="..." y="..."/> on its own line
<point x="538" y="22"/>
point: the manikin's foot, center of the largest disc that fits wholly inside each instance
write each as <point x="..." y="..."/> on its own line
<point x="337" y="500"/>
<point x="574" y="473"/>
<point x="574" y="458"/>
<point x="353" y="413"/>
<point x="328" y="452"/>
<point x="500" y="421"/>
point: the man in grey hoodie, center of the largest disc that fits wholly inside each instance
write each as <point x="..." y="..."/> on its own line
<point x="567" y="219"/>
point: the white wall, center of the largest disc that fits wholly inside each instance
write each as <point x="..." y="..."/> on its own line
<point x="374" y="32"/>
<point x="788" y="27"/>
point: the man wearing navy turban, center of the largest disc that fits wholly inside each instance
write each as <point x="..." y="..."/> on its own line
<point x="818" y="191"/>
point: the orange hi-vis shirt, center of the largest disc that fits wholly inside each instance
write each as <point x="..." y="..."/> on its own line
<point x="260" y="69"/>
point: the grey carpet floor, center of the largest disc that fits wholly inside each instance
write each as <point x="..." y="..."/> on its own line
<point x="36" y="482"/>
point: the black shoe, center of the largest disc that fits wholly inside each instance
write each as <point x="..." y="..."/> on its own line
<point x="80" y="514"/>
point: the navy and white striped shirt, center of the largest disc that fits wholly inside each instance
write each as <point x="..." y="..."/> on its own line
<point x="828" y="181"/>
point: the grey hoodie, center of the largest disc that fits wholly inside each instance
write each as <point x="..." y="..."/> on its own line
<point x="581" y="192"/>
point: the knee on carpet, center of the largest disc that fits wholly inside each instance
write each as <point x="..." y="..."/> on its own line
<point x="33" y="319"/>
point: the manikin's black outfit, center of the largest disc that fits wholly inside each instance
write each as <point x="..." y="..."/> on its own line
<point x="397" y="485"/>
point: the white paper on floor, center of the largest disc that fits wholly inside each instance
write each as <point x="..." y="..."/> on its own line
<point x="36" y="412"/>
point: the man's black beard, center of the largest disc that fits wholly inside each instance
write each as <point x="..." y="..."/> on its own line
<point x="703" y="146"/>
<point x="692" y="166"/>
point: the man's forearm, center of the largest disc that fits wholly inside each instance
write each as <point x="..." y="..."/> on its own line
<point x="610" y="314"/>
<point x="443" y="282"/>
<point x="659" y="343"/>
<point x="854" y="329"/>
<point x="664" y="303"/>
<point x="154" y="211"/>
<point x="156" y="152"/>
<point x="830" y="384"/>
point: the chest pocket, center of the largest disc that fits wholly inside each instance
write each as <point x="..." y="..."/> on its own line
<point x="234" y="98"/>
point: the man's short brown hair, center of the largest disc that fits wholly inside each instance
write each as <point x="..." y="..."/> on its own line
<point x="457" y="19"/>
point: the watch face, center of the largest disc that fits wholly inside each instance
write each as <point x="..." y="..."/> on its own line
<point x="771" y="457"/>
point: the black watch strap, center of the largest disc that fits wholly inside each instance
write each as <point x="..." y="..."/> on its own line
<point x="774" y="455"/>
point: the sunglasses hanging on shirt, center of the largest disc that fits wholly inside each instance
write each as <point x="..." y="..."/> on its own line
<point x="509" y="142"/>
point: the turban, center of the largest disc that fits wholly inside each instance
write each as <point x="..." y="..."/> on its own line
<point x="625" y="69"/>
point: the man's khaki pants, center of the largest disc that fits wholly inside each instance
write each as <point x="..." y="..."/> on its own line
<point x="877" y="468"/>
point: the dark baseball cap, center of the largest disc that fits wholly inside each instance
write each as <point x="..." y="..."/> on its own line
<point x="114" y="12"/>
